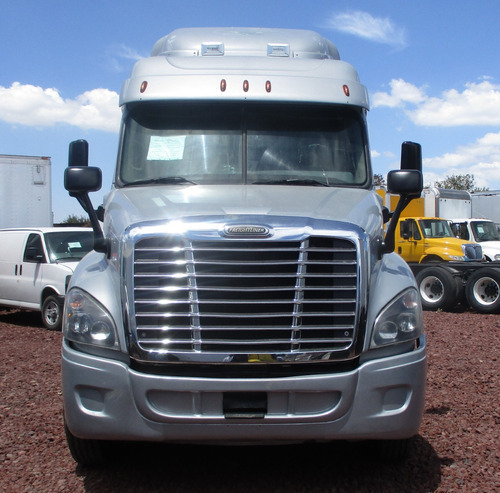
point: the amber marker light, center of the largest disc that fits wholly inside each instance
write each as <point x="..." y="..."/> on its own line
<point x="144" y="86"/>
<point x="268" y="86"/>
<point x="223" y="85"/>
<point x="246" y="85"/>
<point x="346" y="90"/>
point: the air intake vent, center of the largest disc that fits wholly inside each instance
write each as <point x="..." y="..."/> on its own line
<point x="249" y="297"/>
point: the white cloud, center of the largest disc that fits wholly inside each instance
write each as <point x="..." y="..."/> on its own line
<point x="30" y="105"/>
<point x="477" y="104"/>
<point x="115" y="54"/>
<point x="480" y="158"/>
<point x="402" y="92"/>
<point x="364" y="25"/>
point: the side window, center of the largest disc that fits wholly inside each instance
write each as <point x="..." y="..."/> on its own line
<point x="34" y="249"/>
<point x="415" y="231"/>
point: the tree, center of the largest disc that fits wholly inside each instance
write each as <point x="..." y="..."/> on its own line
<point x="77" y="220"/>
<point x="379" y="180"/>
<point x="460" y="182"/>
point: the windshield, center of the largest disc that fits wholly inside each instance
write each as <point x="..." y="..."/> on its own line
<point x="69" y="246"/>
<point x="485" y="231"/>
<point x="218" y="143"/>
<point x="435" y="228"/>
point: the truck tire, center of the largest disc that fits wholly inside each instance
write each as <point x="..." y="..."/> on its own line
<point x="437" y="287"/>
<point x="483" y="290"/>
<point x="52" y="313"/>
<point x="86" y="452"/>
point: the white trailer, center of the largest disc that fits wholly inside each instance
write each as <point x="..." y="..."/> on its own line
<point x="486" y="205"/>
<point x="25" y="191"/>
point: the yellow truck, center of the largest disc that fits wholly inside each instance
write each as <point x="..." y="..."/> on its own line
<point x="430" y="239"/>
<point x="448" y="270"/>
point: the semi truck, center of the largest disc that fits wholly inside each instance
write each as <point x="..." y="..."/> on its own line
<point x="448" y="269"/>
<point x="241" y="289"/>
<point x="25" y="191"/>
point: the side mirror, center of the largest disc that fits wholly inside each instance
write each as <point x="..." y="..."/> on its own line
<point x="411" y="156"/>
<point x="79" y="179"/>
<point x="405" y="182"/>
<point x="78" y="153"/>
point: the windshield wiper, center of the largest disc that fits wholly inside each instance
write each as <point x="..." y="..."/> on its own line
<point x="167" y="180"/>
<point x="293" y="181"/>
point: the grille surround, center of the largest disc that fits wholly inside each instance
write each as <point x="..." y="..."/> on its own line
<point x="204" y="298"/>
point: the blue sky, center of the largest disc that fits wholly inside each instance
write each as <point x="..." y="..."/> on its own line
<point x="432" y="70"/>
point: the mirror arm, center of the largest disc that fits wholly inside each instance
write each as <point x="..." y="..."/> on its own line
<point x="100" y="243"/>
<point x="388" y="244"/>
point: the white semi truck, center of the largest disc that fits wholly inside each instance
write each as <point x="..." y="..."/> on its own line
<point x="242" y="289"/>
<point x="25" y="191"/>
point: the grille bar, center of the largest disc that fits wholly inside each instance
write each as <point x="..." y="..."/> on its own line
<point x="261" y="296"/>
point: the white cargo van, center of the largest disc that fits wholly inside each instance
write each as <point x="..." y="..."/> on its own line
<point x="36" y="265"/>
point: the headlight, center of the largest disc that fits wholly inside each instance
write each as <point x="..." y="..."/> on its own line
<point x="401" y="320"/>
<point x="87" y="322"/>
<point x="457" y="257"/>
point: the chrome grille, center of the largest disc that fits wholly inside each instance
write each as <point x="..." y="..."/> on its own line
<point x="245" y="296"/>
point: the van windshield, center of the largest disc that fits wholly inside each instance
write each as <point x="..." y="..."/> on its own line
<point x="238" y="143"/>
<point x="69" y="246"/>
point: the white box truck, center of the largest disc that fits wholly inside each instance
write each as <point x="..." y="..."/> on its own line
<point x="36" y="265"/>
<point x="241" y="288"/>
<point x="25" y="191"/>
<point x="457" y="207"/>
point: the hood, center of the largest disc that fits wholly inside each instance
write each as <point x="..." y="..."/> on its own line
<point x="70" y="266"/>
<point x="128" y="206"/>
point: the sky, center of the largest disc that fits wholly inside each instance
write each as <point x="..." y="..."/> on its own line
<point x="432" y="69"/>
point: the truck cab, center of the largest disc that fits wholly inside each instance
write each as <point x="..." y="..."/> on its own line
<point x="241" y="288"/>
<point x="426" y="239"/>
<point x="482" y="231"/>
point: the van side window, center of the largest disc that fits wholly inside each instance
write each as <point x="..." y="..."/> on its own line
<point x="34" y="249"/>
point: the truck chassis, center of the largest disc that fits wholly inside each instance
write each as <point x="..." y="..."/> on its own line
<point x="443" y="285"/>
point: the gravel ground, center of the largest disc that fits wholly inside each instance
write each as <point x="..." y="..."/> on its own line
<point x="457" y="448"/>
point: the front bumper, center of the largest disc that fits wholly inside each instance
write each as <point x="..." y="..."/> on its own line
<point x="105" y="399"/>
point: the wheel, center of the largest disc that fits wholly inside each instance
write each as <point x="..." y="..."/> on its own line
<point x="483" y="290"/>
<point x="437" y="287"/>
<point x="52" y="313"/>
<point x="86" y="452"/>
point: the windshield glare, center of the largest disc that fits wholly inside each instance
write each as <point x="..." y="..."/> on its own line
<point x="237" y="143"/>
<point x="435" y="228"/>
<point x="69" y="246"/>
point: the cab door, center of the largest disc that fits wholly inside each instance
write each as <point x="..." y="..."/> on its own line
<point x="410" y="242"/>
<point x="31" y="271"/>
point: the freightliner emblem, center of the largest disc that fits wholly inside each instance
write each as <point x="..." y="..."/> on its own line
<point x="246" y="230"/>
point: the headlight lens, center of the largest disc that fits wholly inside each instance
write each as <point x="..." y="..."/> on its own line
<point x="400" y="321"/>
<point x="87" y="322"/>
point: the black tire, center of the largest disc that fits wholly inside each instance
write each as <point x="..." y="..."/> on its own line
<point x="438" y="289"/>
<point x="52" y="313"/>
<point x="87" y="452"/>
<point x="483" y="290"/>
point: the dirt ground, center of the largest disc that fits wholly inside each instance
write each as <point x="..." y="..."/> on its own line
<point x="457" y="449"/>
